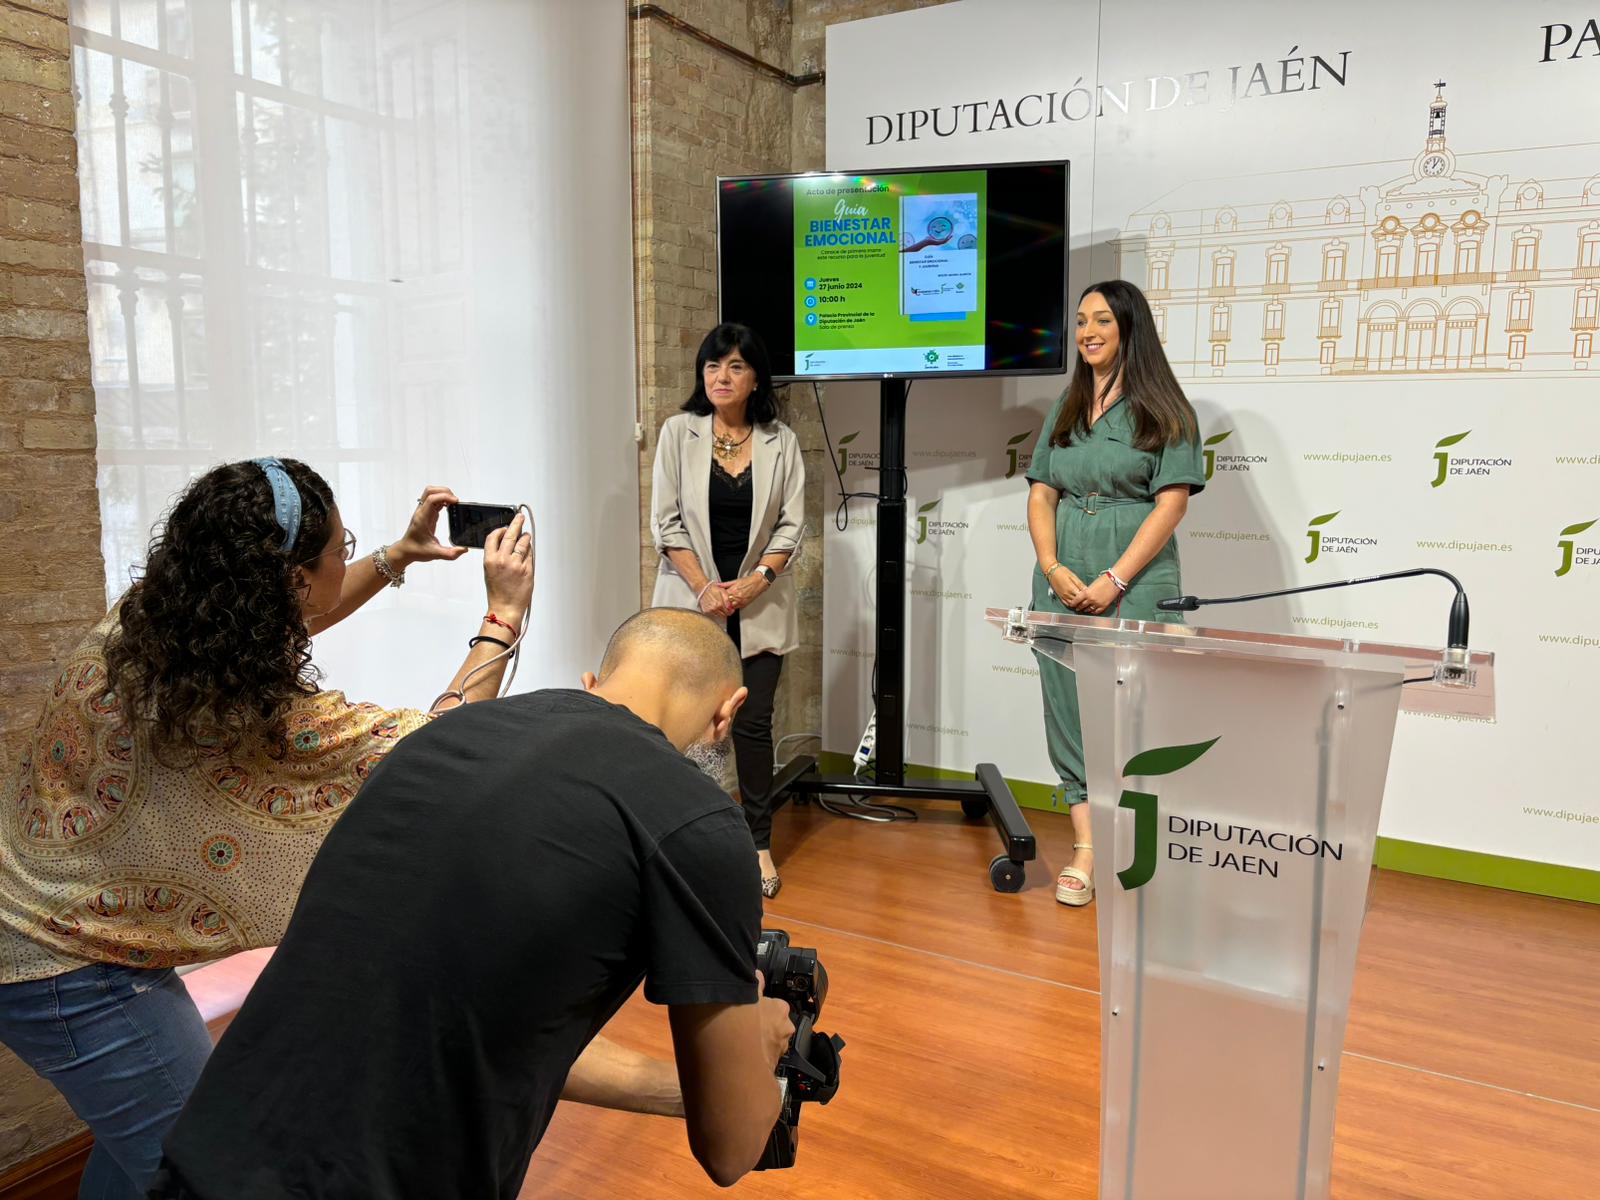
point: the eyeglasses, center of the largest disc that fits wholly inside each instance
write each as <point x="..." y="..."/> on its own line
<point x="346" y="551"/>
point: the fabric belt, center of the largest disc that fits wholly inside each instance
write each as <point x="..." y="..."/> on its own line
<point x="1093" y="502"/>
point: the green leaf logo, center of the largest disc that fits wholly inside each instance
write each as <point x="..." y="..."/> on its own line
<point x="1574" y="530"/>
<point x="1164" y="760"/>
<point x="1146" y="807"/>
<point x="849" y="437"/>
<point x="1325" y="518"/>
<point x="929" y="507"/>
<point x="1450" y="441"/>
<point x="1018" y="440"/>
<point x="1219" y="437"/>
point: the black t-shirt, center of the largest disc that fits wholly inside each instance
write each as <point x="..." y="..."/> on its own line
<point x="492" y="896"/>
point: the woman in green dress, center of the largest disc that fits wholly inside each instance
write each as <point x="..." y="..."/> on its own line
<point x="1110" y="479"/>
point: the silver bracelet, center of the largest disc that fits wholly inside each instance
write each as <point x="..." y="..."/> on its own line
<point x="380" y="560"/>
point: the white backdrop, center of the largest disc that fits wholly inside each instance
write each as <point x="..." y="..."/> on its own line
<point x="353" y="232"/>
<point x="1351" y="265"/>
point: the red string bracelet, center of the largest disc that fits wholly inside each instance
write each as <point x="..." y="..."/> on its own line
<point x="494" y="620"/>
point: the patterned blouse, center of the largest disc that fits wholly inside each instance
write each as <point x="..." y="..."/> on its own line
<point x="108" y="855"/>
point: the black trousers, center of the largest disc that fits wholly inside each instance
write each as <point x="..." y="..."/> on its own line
<point x="752" y="745"/>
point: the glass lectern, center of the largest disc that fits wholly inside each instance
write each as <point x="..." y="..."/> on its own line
<point x="1235" y="781"/>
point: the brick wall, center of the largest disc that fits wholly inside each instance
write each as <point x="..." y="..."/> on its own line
<point x="53" y="582"/>
<point x="699" y="113"/>
<point x="808" y="50"/>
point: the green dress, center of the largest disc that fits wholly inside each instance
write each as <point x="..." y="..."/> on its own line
<point x="1108" y="488"/>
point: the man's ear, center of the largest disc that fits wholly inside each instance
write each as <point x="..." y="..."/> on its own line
<point x="589" y="681"/>
<point x="722" y="722"/>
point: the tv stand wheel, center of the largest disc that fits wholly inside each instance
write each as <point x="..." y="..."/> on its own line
<point x="975" y="808"/>
<point x="1007" y="874"/>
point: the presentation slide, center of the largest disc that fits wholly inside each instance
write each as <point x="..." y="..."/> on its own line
<point x="890" y="273"/>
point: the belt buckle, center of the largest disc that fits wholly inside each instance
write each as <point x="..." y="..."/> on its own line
<point x="1088" y="504"/>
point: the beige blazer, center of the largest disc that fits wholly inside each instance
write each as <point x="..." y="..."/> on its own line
<point x="680" y="519"/>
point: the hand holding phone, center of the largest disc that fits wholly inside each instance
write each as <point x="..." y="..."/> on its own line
<point x="471" y="524"/>
<point x="508" y="569"/>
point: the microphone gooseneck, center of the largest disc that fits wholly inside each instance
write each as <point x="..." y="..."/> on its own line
<point x="1455" y="656"/>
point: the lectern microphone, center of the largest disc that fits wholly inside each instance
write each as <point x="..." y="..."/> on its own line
<point x="1452" y="670"/>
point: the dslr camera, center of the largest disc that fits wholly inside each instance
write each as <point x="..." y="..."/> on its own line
<point x="809" y="1068"/>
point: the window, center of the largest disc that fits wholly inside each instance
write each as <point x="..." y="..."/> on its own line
<point x="1221" y="320"/>
<point x="1333" y="264"/>
<point x="1388" y="260"/>
<point x="1158" y="275"/>
<point x="1331" y="311"/>
<point x="1275" y="319"/>
<point x="1272" y="354"/>
<point x="1522" y="308"/>
<point x="1586" y="308"/>
<point x="1582" y="345"/>
<point x="1327" y="354"/>
<point x="1526" y="255"/>
<point x="1222" y="270"/>
<point x="1589" y="249"/>
<point x="1278" y="267"/>
<point x="1428" y="259"/>
<point x="1518" y="350"/>
<point x="253" y="173"/>
<point x="1219" y="355"/>
<point x="1159" y="312"/>
<point x="1466" y="258"/>
<point x="294" y="91"/>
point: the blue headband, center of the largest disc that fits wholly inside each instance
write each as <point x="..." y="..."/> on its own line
<point x="285" y="499"/>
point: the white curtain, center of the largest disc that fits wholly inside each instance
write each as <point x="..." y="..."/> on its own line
<point x="391" y="238"/>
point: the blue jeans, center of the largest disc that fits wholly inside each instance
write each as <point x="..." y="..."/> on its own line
<point x="125" y="1047"/>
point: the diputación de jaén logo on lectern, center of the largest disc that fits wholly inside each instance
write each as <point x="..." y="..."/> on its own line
<point x="1146" y="809"/>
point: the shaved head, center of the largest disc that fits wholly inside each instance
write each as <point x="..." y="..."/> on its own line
<point x="680" y="645"/>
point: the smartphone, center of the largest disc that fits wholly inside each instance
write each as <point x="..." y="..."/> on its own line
<point x="471" y="524"/>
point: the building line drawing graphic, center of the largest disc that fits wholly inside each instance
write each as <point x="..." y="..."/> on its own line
<point x="1439" y="268"/>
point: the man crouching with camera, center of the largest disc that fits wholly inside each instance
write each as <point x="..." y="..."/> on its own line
<point x="493" y="895"/>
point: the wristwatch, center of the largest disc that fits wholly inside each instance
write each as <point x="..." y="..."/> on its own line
<point x="767" y="573"/>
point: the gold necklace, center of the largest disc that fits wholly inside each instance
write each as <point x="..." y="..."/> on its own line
<point x="727" y="449"/>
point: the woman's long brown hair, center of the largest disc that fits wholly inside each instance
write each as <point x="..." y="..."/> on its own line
<point x="211" y="646"/>
<point x="1162" y="415"/>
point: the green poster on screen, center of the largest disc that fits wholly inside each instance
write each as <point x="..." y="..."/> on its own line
<point x="890" y="273"/>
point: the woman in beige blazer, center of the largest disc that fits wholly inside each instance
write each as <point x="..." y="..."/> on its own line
<point x="729" y="492"/>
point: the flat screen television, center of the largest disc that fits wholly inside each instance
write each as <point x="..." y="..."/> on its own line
<point x="948" y="271"/>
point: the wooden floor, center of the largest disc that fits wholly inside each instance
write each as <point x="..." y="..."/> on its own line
<point x="1472" y="1064"/>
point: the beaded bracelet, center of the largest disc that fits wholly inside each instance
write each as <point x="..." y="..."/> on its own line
<point x="380" y="560"/>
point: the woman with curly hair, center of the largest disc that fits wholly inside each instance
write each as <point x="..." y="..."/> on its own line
<point x="181" y="778"/>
